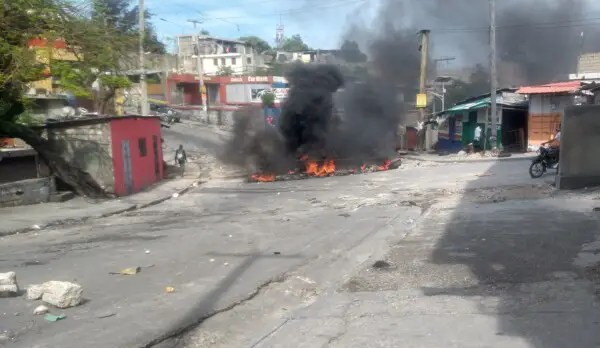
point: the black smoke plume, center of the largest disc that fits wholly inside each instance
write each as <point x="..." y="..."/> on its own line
<point x="324" y="117"/>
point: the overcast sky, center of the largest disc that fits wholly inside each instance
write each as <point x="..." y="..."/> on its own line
<point x="320" y="23"/>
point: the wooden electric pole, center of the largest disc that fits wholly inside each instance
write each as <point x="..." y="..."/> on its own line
<point x="493" y="77"/>
<point x="424" y="48"/>
<point x="144" y="110"/>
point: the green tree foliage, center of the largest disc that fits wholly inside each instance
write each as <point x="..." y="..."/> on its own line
<point x="260" y="45"/>
<point x="351" y="53"/>
<point x="122" y="17"/>
<point x="225" y="71"/>
<point x="268" y="99"/>
<point x="294" y="44"/>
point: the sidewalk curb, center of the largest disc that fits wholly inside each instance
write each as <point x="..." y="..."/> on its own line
<point x="479" y="160"/>
<point x="81" y="220"/>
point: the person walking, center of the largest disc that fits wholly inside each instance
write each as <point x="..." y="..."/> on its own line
<point x="180" y="158"/>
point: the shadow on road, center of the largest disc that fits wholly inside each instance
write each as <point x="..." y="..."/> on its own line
<point x="522" y="253"/>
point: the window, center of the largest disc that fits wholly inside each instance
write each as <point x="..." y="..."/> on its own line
<point x="142" y="147"/>
<point x="216" y="62"/>
<point x="232" y="61"/>
<point x="222" y="61"/>
<point x="249" y="60"/>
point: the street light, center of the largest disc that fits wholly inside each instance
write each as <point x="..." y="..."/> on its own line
<point x="443" y="80"/>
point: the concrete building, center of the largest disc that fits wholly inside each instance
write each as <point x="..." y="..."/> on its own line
<point x="217" y="55"/>
<point x="457" y="128"/>
<point x="123" y="154"/>
<point x="547" y="104"/>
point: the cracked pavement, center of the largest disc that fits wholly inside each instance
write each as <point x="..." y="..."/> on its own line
<point x="288" y="264"/>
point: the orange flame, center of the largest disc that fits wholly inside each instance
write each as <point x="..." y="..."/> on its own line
<point x="263" y="177"/>
<point x="385" y="165"/>
<point x="327" y="168"/>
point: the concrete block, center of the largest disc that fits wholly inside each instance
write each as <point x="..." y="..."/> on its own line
<point x="35" y="292"/>
<point x="8" y="284"/>
<point x="62" y="294"/>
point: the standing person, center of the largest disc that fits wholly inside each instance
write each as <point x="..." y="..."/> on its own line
<point x="180" y="158"/>
<point x="477" y="139"/>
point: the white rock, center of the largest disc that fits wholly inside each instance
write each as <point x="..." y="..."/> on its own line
<point x="35" y="292"/>
<point x="62" y="294"/>
<point x="175" y="195"/>
<point x="8" y="284"/>
<point x="8" y="278"/>
<point x="36" y="227"/>
<point x="9" y="290"/>
<point x="41" y="309"/>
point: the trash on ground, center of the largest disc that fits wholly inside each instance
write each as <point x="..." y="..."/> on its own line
<point x="106" y="315"/>
<point x="147" y="251"/>
<point x="128" y="271"/>
<point x="41" y="309"/>
<point x="175" y="195"/>
<point x="226" y="264"/>
<point x="53" y="318"/>
<point x="169" y="289"/>
<point x="277" y="253"/>
<point x="380" y="264"/>
<point x="211" y="260"/>
<point x="8" y="284"/>
<point x="62" y="294"/>
<point x="36" y="227"/>
<point x="35" y="292"/>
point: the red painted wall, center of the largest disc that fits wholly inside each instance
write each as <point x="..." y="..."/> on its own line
<point x="142" y="167"/>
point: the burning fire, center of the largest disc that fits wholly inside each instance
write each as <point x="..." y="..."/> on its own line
<point x="325" y="169"/>
<point x="263" y="177"/>
<point x="385" y="165"/>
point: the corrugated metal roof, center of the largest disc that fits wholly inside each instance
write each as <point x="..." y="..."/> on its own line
<point x="485" y="102"/>
<point x="552" y="88"/>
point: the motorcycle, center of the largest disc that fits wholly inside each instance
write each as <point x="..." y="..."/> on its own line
<point x="546" y="159"/>
<point x="167" y="114"/>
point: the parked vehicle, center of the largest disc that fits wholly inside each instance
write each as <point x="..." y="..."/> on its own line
<point x="546" y="159"/>
<point x="166" y="113"/>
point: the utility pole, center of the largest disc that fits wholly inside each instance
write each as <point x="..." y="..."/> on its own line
<point x="143" y="86"/>
<point x="424" y="48"/>
<point x="494" y="77"/>
<point x="200" y="69"/>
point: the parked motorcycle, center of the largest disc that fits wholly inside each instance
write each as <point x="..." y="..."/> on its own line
<point x="166" y="114"/>
<point x="546" y="159"/>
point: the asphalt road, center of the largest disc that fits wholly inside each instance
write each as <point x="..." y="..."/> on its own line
<point x="217" y="246"/>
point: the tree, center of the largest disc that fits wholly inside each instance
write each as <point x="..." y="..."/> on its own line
<point x="21" y="21"/>
<point x="294" y="44"/>
<point x="260" y="45"/>
<point x="225" y="71"/>
<point x="124" y="19"/>
<point x="351" y="53"/>
<point x="204" y="32"/>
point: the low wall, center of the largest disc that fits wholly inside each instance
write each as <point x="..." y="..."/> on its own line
<point x="580" y="139"/>
<point x="31" y="191"/>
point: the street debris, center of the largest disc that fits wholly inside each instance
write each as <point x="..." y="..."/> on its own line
<point x="382" y="265"/>
<point x="62" y="294"/>
<point x="175" y="195"/>
<point x="147" y="251"/>
<point x="41" y="309"/>
<point x="53" y="318"/>
<point x="8" y="284"/>
<point x="36" y="227"/>
<point x="211" y="260"/>
<point x="226" y="264"/>
<point x="276" y="253"/>
<point x="597" y="209"/>
<point x="106" y="315"/>
<point x="35" y="292"/>
<point x="169" y="289"/>
<point x="128" y="271"/>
